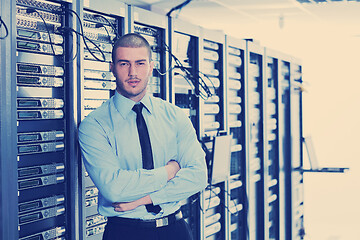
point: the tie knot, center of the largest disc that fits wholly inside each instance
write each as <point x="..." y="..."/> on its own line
<point x="138" y="108"/>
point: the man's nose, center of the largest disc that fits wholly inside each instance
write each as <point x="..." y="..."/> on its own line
<point x="132" y="70"/>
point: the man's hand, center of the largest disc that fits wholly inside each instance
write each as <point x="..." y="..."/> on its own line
<point x="172" y="167"/>
<point x="127" y="206"/>
<point x="123" y="207"/>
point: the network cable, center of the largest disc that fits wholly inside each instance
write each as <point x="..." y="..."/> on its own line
<point x="2" y="23"/>
<point x="178" y="7"/>
<point x="111" y="25"/>
<point x="100" y="25"/>
<point x="83" y="36"/>
<point x="189" y="76"/>
<point x="86" y="38"/>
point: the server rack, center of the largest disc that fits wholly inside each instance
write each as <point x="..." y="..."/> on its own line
<point x="8" y="128"/>
<point x="184" y="62"/>
<point x="102" y="24"/>
<point x="290" y="123"/>
<point x="272" y="165"/>
<point x="284" y="137"/>
<point x="236" y="51"/>
<point x="212" y="122"/>
<point x="297" y="203"/>
<point x="43" y="119"/>
<point x="154" y="28"/>
<point x="255" y="140"/>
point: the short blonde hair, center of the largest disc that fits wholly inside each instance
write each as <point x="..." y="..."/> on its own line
<point x="132" y="40"/>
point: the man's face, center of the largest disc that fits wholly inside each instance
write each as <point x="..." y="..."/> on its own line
<point x="132" y="69"/>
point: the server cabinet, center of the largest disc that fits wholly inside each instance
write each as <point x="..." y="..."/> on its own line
<point x="297" y="202"/>
<point x="43" y="119"/>
<point x="8" y="131"/>
<point x="235" y="75"/>
<point x="290" y="126"/>
<point x="184" y="62"/>
<point x="154" y="28"/>
<point x="255" y="140"/>
<point x="184" y="92"/>
<point x="284" y="138"/>
<point x="102" y="24"/>
<point x="271" y="163"/>
<point x="212" y="109"/>
<point x="212" y="122"/>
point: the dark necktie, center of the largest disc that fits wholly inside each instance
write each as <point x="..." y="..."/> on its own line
<point x="146" y="152"/>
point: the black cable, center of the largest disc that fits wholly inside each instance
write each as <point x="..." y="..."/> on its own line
<point x="84" y="37"/>
<point x="180" y="6"/>
<point x="99" y="25"/>
<point x="190" y="76"/>
<point x="80" y="34"/>
<point x="211" y="191"/>
<point x="77" y="41"/>
<point x="32" y="10"/>
<point x="221" y="203"/>
<point x="233" y="201"/>
<point x="187" y="80"/>
<point x="2" y="23"/>
<point x="112" y="26"/>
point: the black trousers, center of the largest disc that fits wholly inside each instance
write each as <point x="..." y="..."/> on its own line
<point x="178" y="230"/>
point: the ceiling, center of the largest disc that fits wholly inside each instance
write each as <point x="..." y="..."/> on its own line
<point x="229" y="15"/>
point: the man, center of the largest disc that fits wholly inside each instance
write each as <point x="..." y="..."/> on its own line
<point x="141" y="203"/>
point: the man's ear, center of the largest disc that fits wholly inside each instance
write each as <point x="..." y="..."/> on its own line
<point x="151" y="66"/>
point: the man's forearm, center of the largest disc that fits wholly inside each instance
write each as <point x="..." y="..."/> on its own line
<point x="122" y="207"/>
<point x="172" y="167"/>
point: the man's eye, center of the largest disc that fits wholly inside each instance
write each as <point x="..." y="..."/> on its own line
<point x="140" y="63"/>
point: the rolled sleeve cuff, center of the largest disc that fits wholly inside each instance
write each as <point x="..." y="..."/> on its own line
<point x="162" y="181"/>
<point x="157" y="198"/>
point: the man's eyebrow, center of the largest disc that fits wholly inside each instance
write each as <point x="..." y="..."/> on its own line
<point x="123" y="60"/>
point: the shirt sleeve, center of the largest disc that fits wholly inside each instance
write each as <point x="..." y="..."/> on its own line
<point x="102" y="164"/>
<point x="192" y="177"/>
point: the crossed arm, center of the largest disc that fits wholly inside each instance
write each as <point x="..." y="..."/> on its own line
<point x="129" y="189"/>
<point x="172" y="167"/>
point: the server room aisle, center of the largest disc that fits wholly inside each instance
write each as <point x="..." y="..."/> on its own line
<point x="331" y="116"/>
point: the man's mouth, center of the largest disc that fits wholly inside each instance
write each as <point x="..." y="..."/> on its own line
<point x="133" y="82"/>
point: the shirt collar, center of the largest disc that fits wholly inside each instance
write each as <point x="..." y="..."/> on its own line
<point x="124" y="105"/>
